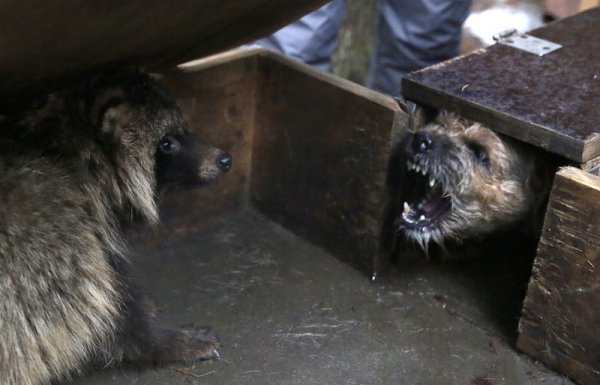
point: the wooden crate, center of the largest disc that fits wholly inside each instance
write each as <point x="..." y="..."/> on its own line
<point x="309" y="149"/>
<point x="551" y="102"/>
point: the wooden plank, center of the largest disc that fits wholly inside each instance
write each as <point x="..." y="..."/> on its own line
<point x="549" y="101"/>
<point x="560" y="320"/>
<point x="43" y="42"/>
<point x="320" y="152"/>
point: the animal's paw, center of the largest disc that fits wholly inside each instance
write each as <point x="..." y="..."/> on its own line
<point x="198" y="342"/>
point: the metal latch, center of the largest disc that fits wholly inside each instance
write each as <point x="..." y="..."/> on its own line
<point x="526" y="42"/>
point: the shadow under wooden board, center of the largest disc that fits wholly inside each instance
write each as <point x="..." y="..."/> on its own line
<point x="55" y="41"/>
<point x="549" y="101"/>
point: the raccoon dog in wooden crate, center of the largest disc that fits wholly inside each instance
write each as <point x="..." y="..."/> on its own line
<point x="73" y="169"/>
<point x="456" y="180"/>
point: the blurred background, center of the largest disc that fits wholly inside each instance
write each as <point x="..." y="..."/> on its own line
<point x="375" y="42"/>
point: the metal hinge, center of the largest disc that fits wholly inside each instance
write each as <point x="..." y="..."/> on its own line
<point x="526" y="42"/>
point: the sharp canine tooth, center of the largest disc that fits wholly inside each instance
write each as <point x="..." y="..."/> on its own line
<point x="422" y="218"/>
<point x="424" y="172"/>
<point x="406" y="207"/>
<point x="431" y="182"/>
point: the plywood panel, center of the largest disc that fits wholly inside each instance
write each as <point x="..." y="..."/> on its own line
<point x="549" y="101"/>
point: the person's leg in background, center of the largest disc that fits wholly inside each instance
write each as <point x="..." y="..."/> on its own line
<point x="311" y="39"/>
<point x="413" y="34"/>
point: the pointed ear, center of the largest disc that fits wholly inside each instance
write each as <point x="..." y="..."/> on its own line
<point x="114" y="120"/>
<point x="106" y="110"/>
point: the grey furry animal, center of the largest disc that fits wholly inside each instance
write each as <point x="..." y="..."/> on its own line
<point x="71" y="171"/>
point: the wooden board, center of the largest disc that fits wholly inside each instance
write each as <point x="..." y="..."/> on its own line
<point x="43" y="42"/>
<point x="549" y="101"/>
<point x="319" y="161"/>
<point x="560" y="325"/>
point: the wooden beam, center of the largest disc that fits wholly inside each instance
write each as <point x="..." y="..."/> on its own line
<point x="560" y="320"/>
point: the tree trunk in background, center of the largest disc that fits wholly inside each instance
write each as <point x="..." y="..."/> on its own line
<point x="356" y="41"/>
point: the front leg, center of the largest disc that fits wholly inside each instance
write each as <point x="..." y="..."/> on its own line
<point x="141" y="341"/>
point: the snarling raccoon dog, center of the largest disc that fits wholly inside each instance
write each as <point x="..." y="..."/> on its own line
<point x="71" y="171"/>
<point x="460" y="180"/>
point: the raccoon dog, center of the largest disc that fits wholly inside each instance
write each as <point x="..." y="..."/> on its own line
<point x="72" y="171"/>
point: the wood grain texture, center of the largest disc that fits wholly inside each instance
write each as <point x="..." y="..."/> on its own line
<point x="549" y="101"/>
<point x="561" y="317"/>
<point x="319" y="160"/>
<point x="45" y="42"/>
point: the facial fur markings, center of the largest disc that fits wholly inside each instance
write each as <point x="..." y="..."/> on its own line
<point x="458" y="180"/>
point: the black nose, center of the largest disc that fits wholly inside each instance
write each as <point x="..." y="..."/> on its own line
<point x="224" y="162"/>
<point x="422" y="142"/>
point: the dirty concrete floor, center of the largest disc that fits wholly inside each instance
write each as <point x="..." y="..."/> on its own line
<point x="289" y="313"/>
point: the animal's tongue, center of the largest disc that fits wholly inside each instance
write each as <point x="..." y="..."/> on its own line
<point x="433" y="200"/>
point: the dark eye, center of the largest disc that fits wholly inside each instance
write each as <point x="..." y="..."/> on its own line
<point x="169" y="145"/>
<point x="479" y="152"/>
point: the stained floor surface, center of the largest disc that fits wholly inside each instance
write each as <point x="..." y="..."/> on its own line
<point x="288" y="313"/>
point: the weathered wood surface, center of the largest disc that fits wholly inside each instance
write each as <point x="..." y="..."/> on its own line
<point x="549" y="101"/>
<point x="560" y="324"/>
<point x="319" y="161"/>
<point x="46" y="41"/>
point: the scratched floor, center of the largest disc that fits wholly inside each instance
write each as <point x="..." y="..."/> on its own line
<point x="289" y="313"/>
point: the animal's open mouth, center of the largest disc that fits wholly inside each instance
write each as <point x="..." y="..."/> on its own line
<point x="425" y="200"/>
